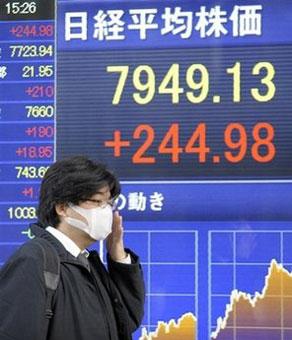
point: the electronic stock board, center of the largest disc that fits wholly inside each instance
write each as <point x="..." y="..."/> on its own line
<point x="190" y="103"/>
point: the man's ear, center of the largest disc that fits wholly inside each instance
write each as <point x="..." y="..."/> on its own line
<point x="61" y="209"/>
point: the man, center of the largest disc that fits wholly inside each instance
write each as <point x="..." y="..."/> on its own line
<point x="90" y="302"/>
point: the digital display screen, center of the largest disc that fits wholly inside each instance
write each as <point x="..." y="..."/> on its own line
<point x="186" y="114"/>
<point x="173" y="112"/>
<point x="27" y="111"/>
<point x="189" y="102"/>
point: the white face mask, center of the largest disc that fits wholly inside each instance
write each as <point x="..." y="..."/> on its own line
<point x="99" y="221"/>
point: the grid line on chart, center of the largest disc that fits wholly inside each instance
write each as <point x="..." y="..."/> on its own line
<point x="149" y="280"/>
<point x="246" y="264"/>
<point x="234" y="284"/>
<point x="233" y="234"/>
<point x="260" y="328"/>
<point x="154" y="261"/>
<point x="151" y="263"/>
<point x="170" y="263"/>
<point x="282" y="291"/>
<point x="170" y="294"/>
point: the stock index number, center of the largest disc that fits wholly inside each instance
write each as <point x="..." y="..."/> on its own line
<point x="197" y="79"/>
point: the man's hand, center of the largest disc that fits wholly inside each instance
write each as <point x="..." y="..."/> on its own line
<point x="115" y="240"/>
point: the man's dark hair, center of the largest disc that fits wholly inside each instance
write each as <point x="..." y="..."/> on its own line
<point x="72" y="180"/>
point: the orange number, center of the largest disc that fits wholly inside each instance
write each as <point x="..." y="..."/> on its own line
<point x="240" y="142"/>
<point x="198" y="136"/>
<point x="265" y="142"/>
<point x="138" y="155"/>
<point x="172" y="137"/>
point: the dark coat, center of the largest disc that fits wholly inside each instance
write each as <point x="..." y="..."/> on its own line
<point x="98" y="304"/>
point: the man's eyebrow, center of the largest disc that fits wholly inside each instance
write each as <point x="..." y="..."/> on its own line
<point x="102" y="192"/>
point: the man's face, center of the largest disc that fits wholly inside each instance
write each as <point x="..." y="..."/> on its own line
<point x="100" y="199"/>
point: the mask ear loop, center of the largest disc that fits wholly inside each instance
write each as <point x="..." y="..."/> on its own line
<point x="115" y="205"/>
<point x="78" y="223"/>
<point x="74" y="222"/>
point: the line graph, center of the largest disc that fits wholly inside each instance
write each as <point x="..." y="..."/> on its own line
<point x="171" y="303"/>
<point x="184" y="328"/>
<point x="255" y="297"/>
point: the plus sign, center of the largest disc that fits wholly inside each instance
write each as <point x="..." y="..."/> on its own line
<point x="117" y="143"/>
<point x="19" y="151"/>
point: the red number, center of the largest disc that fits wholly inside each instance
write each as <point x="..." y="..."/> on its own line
<point x="29" y="30"/>
<point x="138" y="155"/>
<point x="32" y="152"/>
<point x="45" y="131"/>
<point x="38" y="91"/>
<point x="172" y="138"/>
<point x="239" y="142"/>
<point x="198" y="136"/>
<point x="265" y="142"/>
<point x="45" y="152"/>
<point x="17" y="31"/>
<point x="35" y="152"/>
<point x="46" y="30"/>
<point x="40" y="131"/>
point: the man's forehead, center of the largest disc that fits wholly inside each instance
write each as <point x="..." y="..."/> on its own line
<point x="102" y="191"/>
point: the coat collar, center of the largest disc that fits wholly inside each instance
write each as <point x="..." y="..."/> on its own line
<point x="65" y="256"/>
<point x="38" y="231"/>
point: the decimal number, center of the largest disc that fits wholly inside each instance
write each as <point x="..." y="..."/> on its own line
<point x="34" y="152"/>
<point x="32" y="31"/>
<point x="30" y="172"/>
<point x="41" y="71"/>
<point x="239" y="144"/>
<point x="197" y="80"/>
<point x="17" y="7"/>
<point x="22" y="213"/>
<point x="31" y="51"/>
